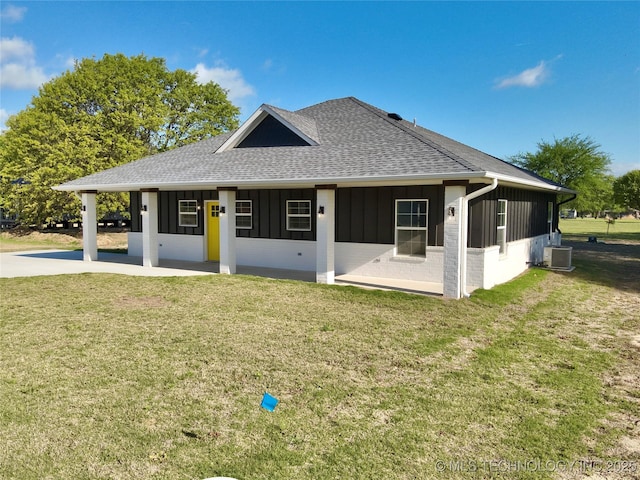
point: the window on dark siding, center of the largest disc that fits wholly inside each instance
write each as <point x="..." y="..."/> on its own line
<point x="243" y="214"/>
<point x="188" y="213"/>
<point x="299" y="215"/>
<point x="550" y="217"/>
<point x="411" y="227"/>
<point x="501" y="223"/>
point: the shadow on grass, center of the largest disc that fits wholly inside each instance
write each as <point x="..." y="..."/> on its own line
<point x="611" y="264"/>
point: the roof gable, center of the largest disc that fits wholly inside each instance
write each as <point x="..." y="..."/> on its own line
<point x="273" y="127"/>
<point x="270" y="132"/>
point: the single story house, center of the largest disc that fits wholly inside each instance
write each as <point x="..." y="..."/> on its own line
<point x="338" y="187"/>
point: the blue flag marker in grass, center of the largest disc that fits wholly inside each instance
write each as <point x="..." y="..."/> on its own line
<point x="268" y="402"/>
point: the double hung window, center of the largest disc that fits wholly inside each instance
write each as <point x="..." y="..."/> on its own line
<point x="243" y="214"/>
<point x="501" y="224"/>
<point x="299" y="215"/>
<point x="411" y="227"/>
<point x="188" y="213"/>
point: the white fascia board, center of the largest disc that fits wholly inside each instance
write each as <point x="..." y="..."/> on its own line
<point x="538" y="185"/>
<point x="253" y="121"/>
<point x="434" y="179"/>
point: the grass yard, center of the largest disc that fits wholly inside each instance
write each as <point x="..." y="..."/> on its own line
<point x="107" y="376"/>
<point x="583" y="228"/>
<point x="16" y="240"/>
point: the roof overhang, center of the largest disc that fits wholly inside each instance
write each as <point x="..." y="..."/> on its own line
<point x="341" y="182"/>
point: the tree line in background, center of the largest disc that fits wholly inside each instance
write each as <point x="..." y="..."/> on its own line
<point x="578" y="163"/>
<point x="117" y="109"/>
<point x="101" y="114"/>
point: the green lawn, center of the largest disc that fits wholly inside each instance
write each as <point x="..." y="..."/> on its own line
<point x="582" y="228"/>
<point x="107" y="376"/>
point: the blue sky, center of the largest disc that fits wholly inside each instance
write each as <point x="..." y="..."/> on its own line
<point x="497" y="76"/>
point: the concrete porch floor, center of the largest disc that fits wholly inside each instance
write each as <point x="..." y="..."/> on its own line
<point x="56" y="262"/>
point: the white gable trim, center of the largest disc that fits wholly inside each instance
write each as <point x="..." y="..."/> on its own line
<point x="253" y="121"/>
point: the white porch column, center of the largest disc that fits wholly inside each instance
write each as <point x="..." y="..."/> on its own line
<point x="89" y="227"/>
<point x="227" y="198"/>
<point x="454" y="223"/>
<point x="149" y="228"/>
<point x="325" y="233"/>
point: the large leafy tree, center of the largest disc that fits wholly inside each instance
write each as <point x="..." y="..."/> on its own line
<point x="101" y="114"/>
<point x="575" y="162"/>
<point x="626" y="190"/>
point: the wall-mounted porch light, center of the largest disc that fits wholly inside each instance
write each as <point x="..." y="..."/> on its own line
<point x="321" y="210"/>
<point x="143" y="209"/>
<point x="223" y="209"/>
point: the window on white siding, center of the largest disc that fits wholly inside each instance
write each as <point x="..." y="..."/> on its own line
<point x="299" y="215"/>
<point x="550" y="217"/>
<point x="501" y="223"/>
<point x="188" y="213"/>
<point x="411" y="227"/>
<point x="243" y="214"/>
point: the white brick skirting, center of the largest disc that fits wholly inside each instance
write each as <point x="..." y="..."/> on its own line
<point x="486" y="267"/>
<point x="376" y="260"/>
<point x="174" y="247"/>
<point x="270" y="253"/>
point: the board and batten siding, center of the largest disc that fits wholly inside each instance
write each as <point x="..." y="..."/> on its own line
<point x="168" y="210"/>
<point x="367" y="214"/>
<point x="269" y="213"/>
<point x="363" y="214"/>
<point x="526" y="215"/>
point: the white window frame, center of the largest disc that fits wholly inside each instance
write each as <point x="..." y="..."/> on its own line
<point x="550" y="209"/>
<point x="399" y="228"/>
<point x="501" y="226"/>
<point x="298" y="215"/>
<point x="184" y="214"/>
<point x="244" y="215"/>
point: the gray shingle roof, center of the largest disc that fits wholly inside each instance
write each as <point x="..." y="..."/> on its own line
<point x="356" y="143"/>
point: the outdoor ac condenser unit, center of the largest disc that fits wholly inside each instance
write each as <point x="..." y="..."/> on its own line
<point x="557" y="257"/>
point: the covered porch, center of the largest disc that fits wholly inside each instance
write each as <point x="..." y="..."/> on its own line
<point x="455" y="226"/>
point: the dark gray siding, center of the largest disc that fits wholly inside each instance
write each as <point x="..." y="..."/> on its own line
<point x="526" y="215"/>
<point x="271" y="133"/>
<point x="270" y="215"/>
<point x="367" y="215"/>
<point x="168" y="211"/>
<point x="363" y="215"/>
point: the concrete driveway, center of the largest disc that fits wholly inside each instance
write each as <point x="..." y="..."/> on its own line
<point x="57" y="262"/>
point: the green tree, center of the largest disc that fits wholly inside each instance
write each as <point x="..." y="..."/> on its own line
<point x="626" y="190"/>
<point x="102" y="114"/>
<point x="577" y="163"/>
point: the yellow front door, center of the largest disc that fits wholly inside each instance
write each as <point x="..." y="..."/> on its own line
<point x="213" y="231"/>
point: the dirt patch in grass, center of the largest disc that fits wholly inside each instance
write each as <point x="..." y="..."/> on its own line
<point x="127" y="303"/>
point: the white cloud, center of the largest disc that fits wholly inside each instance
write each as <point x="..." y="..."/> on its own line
<point x="228" y="78"/>
<point x="13" y="14"/>
<point x="15" y="47"/>
<point x="531" y="77"/>
<point x="18" y="69"/>
<point x="4" y="115"/>
<point x="19" y="76"/>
